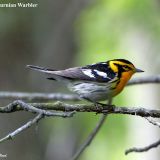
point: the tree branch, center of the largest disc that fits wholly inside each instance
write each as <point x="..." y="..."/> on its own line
<point x="67" y="110"/>
<point x="60" y="106"/>
<point x="12" y="107"/>
<point x="145" y="80"/>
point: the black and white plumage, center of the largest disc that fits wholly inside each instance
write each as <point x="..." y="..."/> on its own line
<point x="99" y="72"/>
<point x="94" y="82"/>
<point x="91" y="82"/>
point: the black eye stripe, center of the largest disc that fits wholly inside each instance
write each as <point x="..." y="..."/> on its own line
<point x="116" y="64"/>
<point x="123" y="66"/>
<point x="127" y="67"/>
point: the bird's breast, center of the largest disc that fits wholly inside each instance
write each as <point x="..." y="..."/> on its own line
<point x="91" y="90"/>
<point x="122" y="82"/>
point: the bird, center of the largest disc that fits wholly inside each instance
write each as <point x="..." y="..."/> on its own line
<point x="95" y="82"/>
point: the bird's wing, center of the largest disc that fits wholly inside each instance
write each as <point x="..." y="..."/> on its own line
<point x="97" y="72"/>
<point x="70" y="74"/>
<point x="101" y="72"/>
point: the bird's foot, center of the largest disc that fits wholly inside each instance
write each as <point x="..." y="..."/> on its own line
<point x="101" y="106"/>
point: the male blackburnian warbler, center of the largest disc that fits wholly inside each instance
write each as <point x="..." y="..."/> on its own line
<point x="96" y="82"/>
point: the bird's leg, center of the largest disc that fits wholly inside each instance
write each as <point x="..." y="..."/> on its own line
<point x="85" y="98"/>
<point x="97" y="104"/>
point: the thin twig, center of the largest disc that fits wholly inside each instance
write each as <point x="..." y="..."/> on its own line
<point x="145" y="80"/>
<point x="22" y="128"/>
<point x="92" y="135"/>
<point x="38" y="96"/>
<point x="143" y="149"/>
<point x="153" y="122"/>
<point x="146" y="148"/>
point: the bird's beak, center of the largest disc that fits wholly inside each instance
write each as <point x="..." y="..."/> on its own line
<point x="138" y="70"/>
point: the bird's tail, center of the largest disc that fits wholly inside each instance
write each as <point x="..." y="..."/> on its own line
<point x="51" y="73"/>
<point x="40" y="69"/>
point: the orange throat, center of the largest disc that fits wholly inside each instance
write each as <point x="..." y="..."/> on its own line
<point x="123" y="81"/>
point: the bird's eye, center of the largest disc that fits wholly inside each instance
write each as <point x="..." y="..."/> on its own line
<point x="126" y="67"/>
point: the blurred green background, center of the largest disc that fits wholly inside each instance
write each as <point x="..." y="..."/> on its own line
<point x="60" y="34"/>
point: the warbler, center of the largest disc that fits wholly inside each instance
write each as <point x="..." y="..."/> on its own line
<point x="95" y="82"/>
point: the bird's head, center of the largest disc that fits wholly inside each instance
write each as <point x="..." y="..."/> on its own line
<point x="123" y="67"/>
